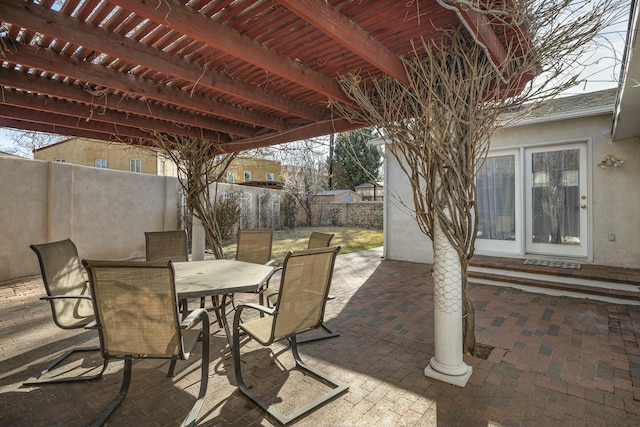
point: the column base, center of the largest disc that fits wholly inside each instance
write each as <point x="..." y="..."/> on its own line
<point x="459" y="380"/>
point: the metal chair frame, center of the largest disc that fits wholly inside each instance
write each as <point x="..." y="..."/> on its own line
<point x="113" y="351"/>
<point x="172" y="245"/>
<point x="60" y="267"/>
<point x="312" y="321"/>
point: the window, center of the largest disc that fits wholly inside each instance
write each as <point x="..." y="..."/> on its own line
<point x="271" y="176"/>
<point x="232" y="177"/>
<point x="247" y="176"/>
<point x="60" y="160"/>
<point x="101" y="163"/>
<point x="135" y="165"/>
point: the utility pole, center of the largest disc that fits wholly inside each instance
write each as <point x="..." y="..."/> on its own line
<point x="331" y="142"/>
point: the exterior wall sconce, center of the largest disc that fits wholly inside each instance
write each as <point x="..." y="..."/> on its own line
<point x="609" y="161"/>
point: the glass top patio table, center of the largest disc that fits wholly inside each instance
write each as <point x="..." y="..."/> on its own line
<point x="195" y="279"/>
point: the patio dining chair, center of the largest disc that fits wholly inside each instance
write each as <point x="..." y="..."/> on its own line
<point x="304" y="287"/>
<point x="255" y="245"/>
<point x="136" y="309"/>
<point x="270" y="294"/>
<point x="66" y="283"/>
<point x="166" y="245"/>
<point x="172" y="245"/>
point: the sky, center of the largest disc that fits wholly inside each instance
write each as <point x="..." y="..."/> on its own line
<point x="602" y="72"/>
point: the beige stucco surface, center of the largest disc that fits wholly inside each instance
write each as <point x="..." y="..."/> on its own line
<point x="403" y="239"/>
<point x="104" y="212"/>
<point x="82" y="151"/>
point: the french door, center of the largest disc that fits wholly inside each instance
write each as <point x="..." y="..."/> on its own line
<point x="499" y="207"/>
<point x="556" y="200"/>
<point x="533" y="201"/>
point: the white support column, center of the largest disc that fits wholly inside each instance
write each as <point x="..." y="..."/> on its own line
<point x="198" y="239"/>
<point x="448" y="364"/>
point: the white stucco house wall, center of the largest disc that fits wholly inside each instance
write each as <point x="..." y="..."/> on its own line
<point x="601" y="204"/>
<point x="572" y="143"/>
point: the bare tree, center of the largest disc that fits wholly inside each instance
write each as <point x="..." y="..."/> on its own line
<point x="440" y="124"/>
<point x="199" y="168"/>
<point x="304" y="170"/>
<point x="24" y="143"/>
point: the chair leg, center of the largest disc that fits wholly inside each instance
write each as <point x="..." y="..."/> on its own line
<point x="283" y="419"/>
<point x="215" y="301"/>
<point x="55" y="362"/>
<point x="190" y="420"/>
<point x="124" y="388"/>
<point x="331" y="333"/>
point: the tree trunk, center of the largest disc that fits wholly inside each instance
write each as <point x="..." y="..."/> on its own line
<point x="468" y="318"/>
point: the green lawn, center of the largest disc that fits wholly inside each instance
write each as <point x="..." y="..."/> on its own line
<point x="351" y="240"/>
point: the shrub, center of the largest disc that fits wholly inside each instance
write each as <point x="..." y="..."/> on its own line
<point x="227" y="213"/>
<point x="289" y="210"/>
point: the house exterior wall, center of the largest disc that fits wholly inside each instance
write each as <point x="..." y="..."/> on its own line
<point x="104" y="212"/>
<point x="81" y="151"/>
<point x="257" y="168"/>
<point x="403" y="239"/>
<point x="612" y="197"/>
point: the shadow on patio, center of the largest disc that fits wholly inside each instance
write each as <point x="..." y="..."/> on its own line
<point x="557" y="361"/>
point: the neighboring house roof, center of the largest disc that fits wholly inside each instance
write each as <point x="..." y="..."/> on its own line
<point x="44" y="147"/>
<point x="333" y="192"/>
<point x="276" y="185"/>
<point x="5" y="154"/>
<point x="370" y="185"/>
<point x="95" y="141"/>
<point x="567" y="107"/>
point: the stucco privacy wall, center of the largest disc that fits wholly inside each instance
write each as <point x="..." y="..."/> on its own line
<point x="350" y="214"/>
<point x="104" y="212"/>
<point x="612" y="193"/>
<point x="259" y="207"/>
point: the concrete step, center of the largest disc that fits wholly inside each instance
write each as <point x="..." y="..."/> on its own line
<point x="549" y="283"/>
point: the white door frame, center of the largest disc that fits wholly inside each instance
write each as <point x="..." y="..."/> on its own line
<point x="508" y="247"/>
<point x="580" y="250"/>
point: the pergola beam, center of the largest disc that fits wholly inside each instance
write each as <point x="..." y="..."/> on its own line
<point x="102" y="77"/>
<point x="199" y="27"/>
<point x="56" y="106"/>
<point x="114" y="101"/>
<point x="58" y="120"/>
<point x="303" y="132"/>
<point x="63" y="27"/>
<point x="334" y="24"/>
<point x="63" y="130"/>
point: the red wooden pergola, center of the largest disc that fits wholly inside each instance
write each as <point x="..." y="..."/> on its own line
<point x="238" y="73"/>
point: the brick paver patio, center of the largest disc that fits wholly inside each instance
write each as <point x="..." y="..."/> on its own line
<point x="556" y="361"/>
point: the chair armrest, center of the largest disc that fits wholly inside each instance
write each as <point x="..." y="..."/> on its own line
<point x="264" y="285"/>
<point x="270" y="262"/>
<point x="91" y="325"/>
<point x="54" y="297"/>
<point x="268" y="310"/>
<point x="199" y="314"/>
